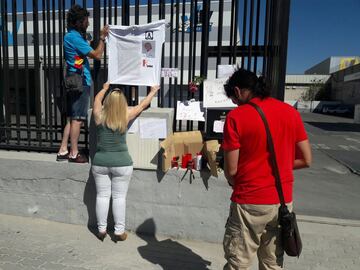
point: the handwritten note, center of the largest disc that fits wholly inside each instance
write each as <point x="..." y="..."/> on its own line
<point x="214" y="94"/>
<point x="152" y="128"/>
<point x="190" y="110"/>
<point x="169" y="72"/>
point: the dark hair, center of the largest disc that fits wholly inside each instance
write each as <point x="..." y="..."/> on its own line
<point x="75" y="16"/>
<point x="245" y="79"/>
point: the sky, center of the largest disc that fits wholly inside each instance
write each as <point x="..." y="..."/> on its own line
<point x="322" y="28"/>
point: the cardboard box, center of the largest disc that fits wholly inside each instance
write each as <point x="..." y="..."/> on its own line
<point x="210" y="150"/>
<point x="180" y="143"/>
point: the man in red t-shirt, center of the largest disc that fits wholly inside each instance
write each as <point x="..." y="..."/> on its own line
<point x="252" y="226"/>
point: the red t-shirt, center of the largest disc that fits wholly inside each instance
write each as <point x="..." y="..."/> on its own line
<point x="245" y="130"/>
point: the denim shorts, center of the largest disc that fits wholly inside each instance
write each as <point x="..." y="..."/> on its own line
<point x="78" y="104"/>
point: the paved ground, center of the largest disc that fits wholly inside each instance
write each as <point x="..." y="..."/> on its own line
<point x="328" y="189"/>
<point x="27" y="243"/>
<point x="336" y="136"/>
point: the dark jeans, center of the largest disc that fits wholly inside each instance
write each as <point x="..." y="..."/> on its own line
<point x="78" y="104"/>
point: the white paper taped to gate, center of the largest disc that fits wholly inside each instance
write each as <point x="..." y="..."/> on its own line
<point x="169" y="72"/>
<point x="190" y="110"/>
<point x="135" y="53"/>
<point x="218" y="126"/>
<point x="225" y="71"/>
<point x="214" y="94"/>
<point x="152" y="128"/>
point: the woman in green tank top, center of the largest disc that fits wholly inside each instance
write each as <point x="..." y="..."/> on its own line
<point x="112" y="164"/>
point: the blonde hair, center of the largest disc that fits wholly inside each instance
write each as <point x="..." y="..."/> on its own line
<point x="114" y="114"/>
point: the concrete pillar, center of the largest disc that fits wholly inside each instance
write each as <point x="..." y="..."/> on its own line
<point x="357" y="114"/>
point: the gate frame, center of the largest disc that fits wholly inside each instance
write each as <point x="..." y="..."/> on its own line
<point x="273" y="51"/>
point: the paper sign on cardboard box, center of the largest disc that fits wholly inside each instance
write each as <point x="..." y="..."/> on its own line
<point x="210" y="150"/>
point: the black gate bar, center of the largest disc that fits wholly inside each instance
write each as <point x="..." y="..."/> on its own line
<point x="32" y="97"/>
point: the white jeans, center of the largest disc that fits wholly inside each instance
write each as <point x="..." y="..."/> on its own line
<point x="111" y="181"/>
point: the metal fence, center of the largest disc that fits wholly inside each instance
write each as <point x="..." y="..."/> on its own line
<point x="200" y="35"/>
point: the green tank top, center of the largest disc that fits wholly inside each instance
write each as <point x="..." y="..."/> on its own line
<point x="111" y="150"/>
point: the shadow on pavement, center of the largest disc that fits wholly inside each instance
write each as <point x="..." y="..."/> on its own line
<point x="160" y="174"/>
<point x="205" y="175"/>
<point x="90" y="200"/>
<point x="89" y="197"/>
<point x="168" y="254"/>
<point x="348" y="127"/>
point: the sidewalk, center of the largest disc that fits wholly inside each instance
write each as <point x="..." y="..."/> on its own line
<point x="27" y="243"/>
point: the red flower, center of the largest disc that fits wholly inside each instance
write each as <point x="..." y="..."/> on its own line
<point x="194" y="84"/>
<point x="193" y="87"/>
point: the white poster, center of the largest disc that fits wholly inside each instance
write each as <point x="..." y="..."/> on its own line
<point x="135" y="53"/>
<point x="190" y="110"/>
<point x="214" y="94"/>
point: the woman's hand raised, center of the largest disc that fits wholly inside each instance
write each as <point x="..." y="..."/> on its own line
<point x="106" y="86"/>
<point x="155" y="88"/>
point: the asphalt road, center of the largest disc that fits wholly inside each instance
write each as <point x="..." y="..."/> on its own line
<point x="338" y="137"/>
<point x="330" y="188"/>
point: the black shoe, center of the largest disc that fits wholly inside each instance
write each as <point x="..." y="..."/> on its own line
<point x="79" y="159"/>
<point x="101" y="236"/>
<point x="64" y="157"/>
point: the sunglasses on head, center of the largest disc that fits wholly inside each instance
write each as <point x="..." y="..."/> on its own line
<point x="115" y="89"/>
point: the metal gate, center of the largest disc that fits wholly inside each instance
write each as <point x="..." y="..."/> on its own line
<point x="200" y="35"/>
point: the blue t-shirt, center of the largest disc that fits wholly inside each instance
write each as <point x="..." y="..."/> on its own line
<point x="76" y="49"/>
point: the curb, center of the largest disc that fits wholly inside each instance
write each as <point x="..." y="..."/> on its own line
<point x="350" y="168"/>
<point x="329" y="221"/>
<point x="28" y="156"/>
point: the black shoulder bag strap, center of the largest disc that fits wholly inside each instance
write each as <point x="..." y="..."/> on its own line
<point x="270" y="145"/>
<point x="290" y="235"/>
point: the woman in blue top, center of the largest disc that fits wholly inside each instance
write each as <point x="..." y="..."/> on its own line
<point x="112" y="164"/>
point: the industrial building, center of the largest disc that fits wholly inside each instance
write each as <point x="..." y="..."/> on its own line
<point x="346" y="85"/>
<point x="341" y="72"/>
<point x="297" y="85"/>
<point x="333" y="64"/>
